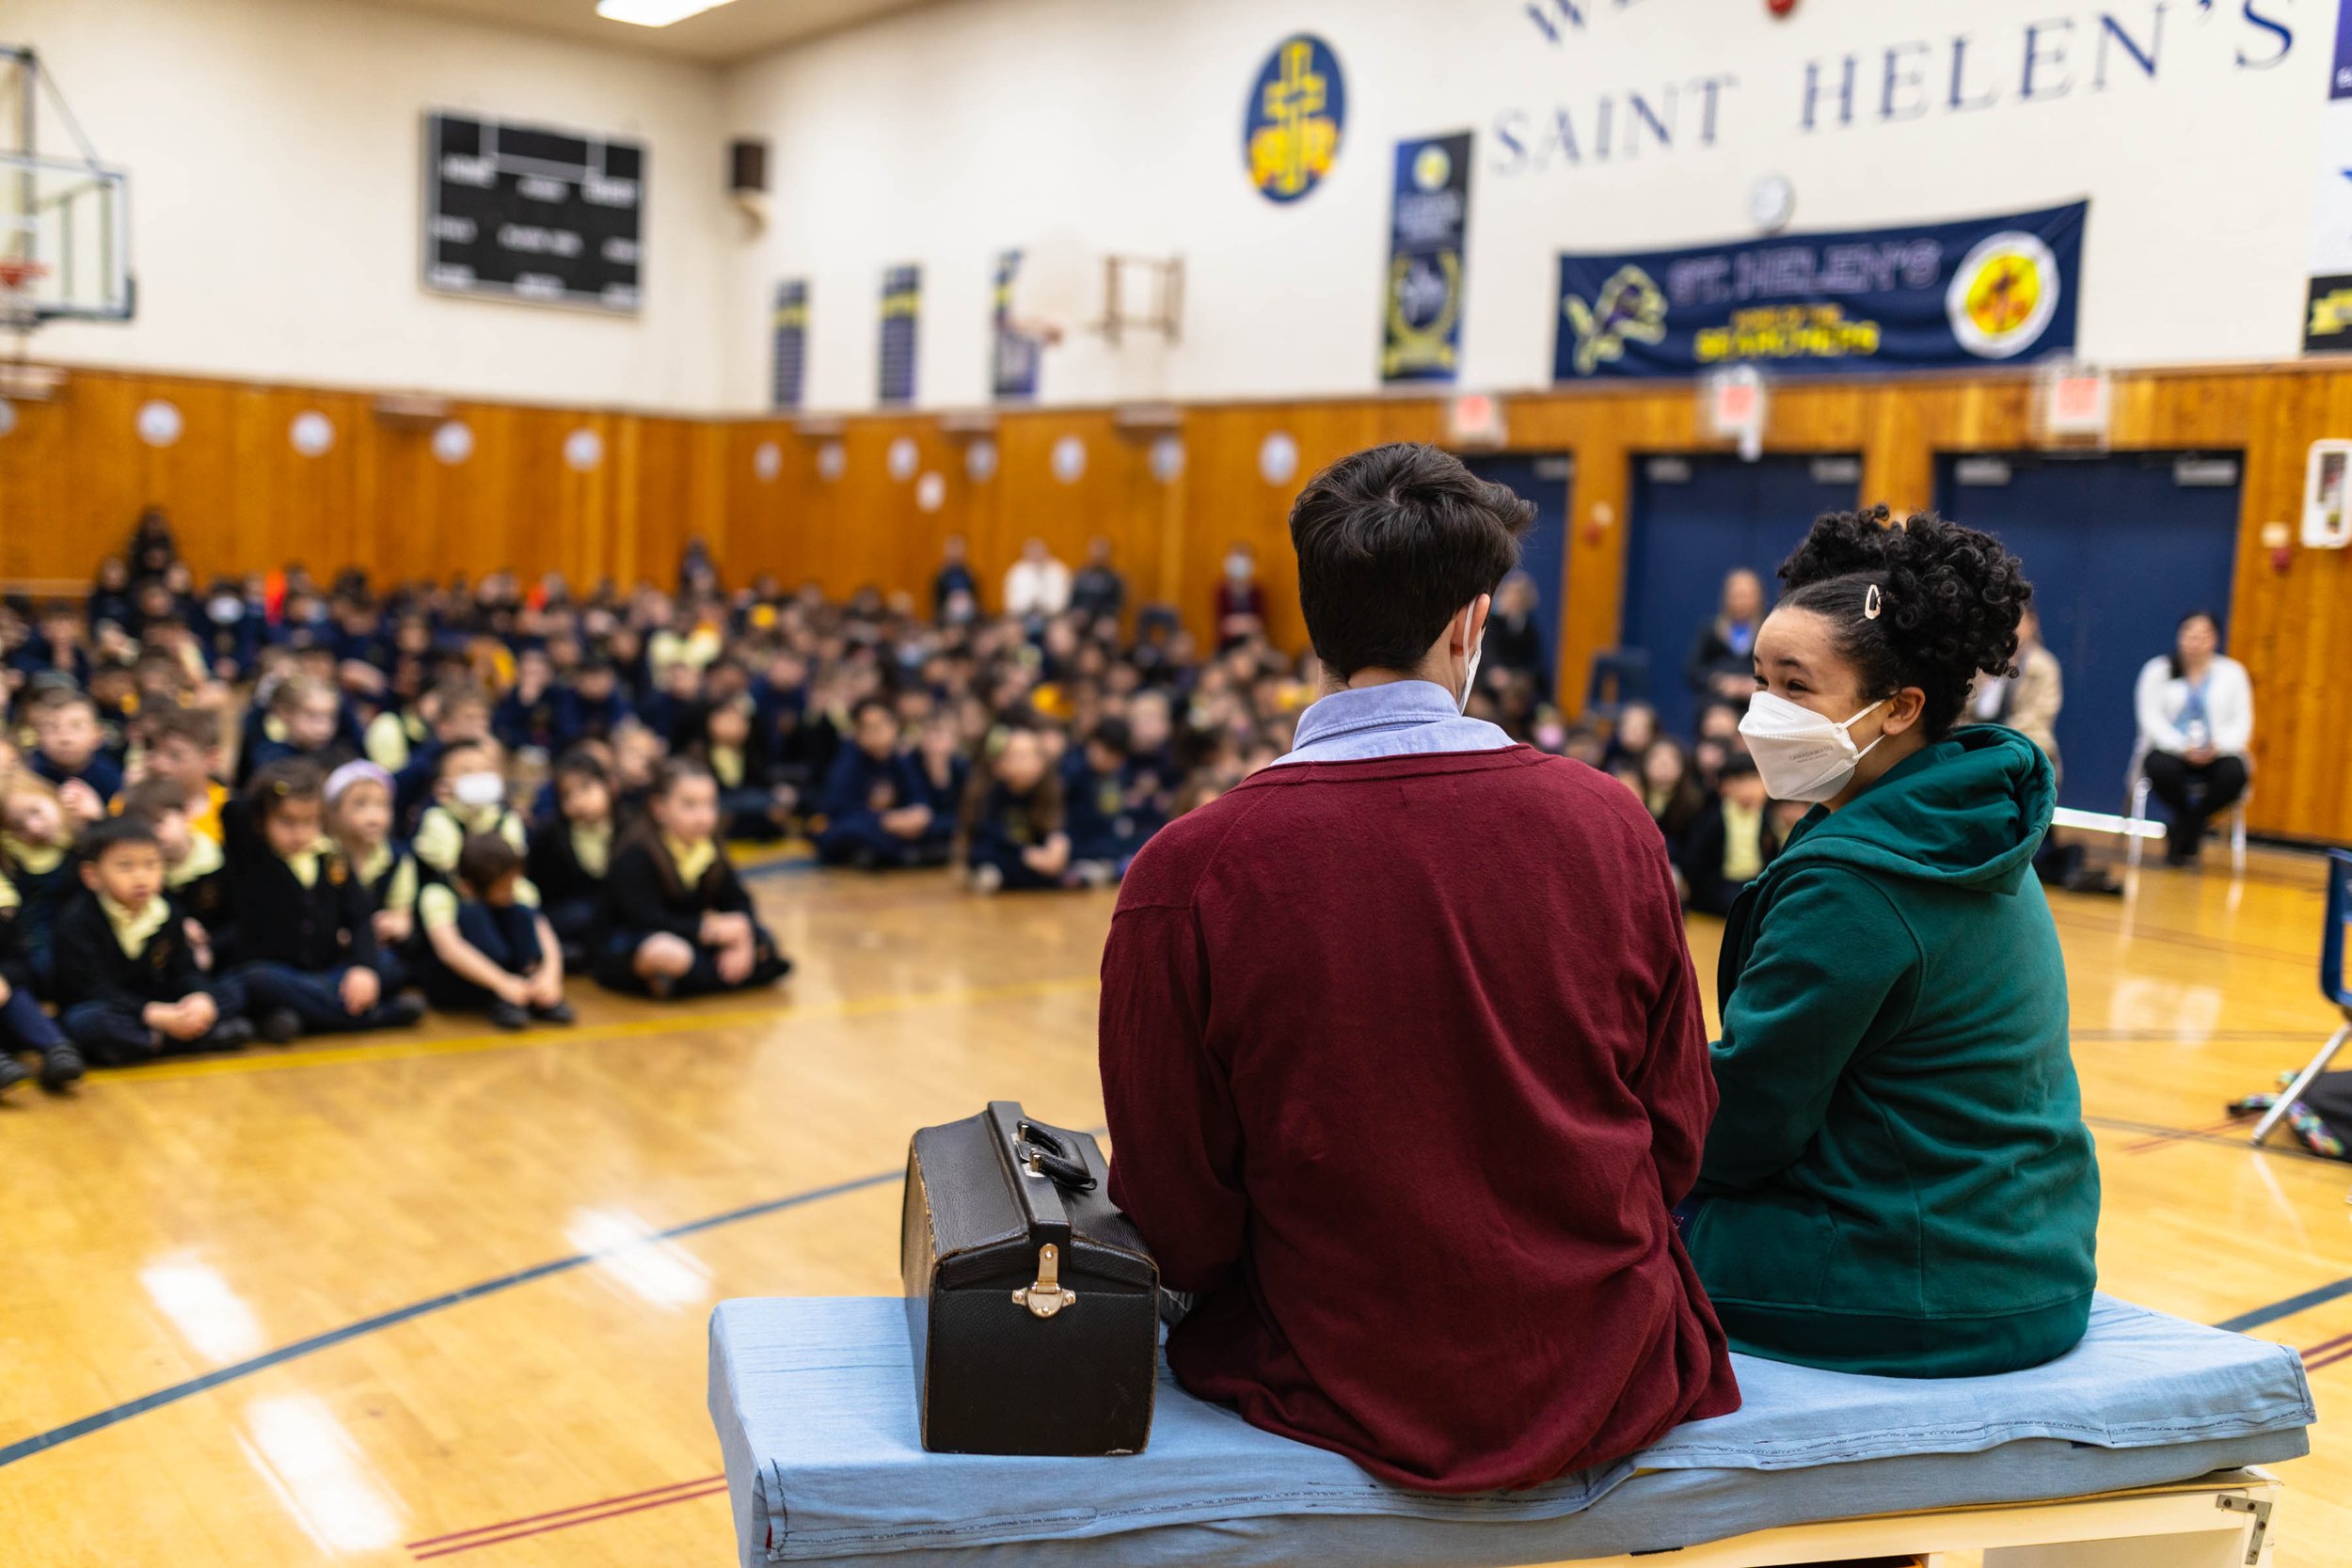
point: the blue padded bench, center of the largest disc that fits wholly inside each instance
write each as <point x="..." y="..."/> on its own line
<point x="815" y="1408"/>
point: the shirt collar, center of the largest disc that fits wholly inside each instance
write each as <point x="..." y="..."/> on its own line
<point x="1393" y="719"/>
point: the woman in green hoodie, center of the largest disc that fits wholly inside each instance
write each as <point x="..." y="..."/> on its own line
<point x="1898" y="1181"/>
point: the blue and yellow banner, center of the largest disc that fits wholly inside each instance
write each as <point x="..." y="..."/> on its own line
<point x="1013" y="355"/>
<point x="788" y="326"/>
<point x="1420" y="333"/>
<point x="1925" y="296"/>
<point x="901" y="310"/>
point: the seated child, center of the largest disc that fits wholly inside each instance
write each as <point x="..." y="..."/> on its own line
<point x="752" y="805"/>
<point x="528" y="717"/>
<point x="183" y="745"/>
<point x="568" y="856"/>
<point x="874" y="819"/>
<point x="68" y="752"/>
<point x="304" y="943"/>
<point x="126" y="978"/>
<point x="1105" y="829"/>
<point x="468" y="798"/>
<point x="37" y="851"/>
<point x="942" y="772"/>
<point x="1733" y="840"/>
<point x="358" y="797"/>
<point x="486" y="951"/>
<point x="678" y="920"/>
<point x="460" y="717"/>
<point x="589" y="707"/>
<point x="195" y="869"/>
<point x="22" y="1024"/>
<point x="1012" y="834"/>
<point x="304" y="722"/>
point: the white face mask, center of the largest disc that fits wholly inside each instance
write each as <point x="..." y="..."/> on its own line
<point x="1802" y="756"/>
<point x="1469" y="678"/>
<point x="478" y="789"/>
<point x="1241" y="568"/>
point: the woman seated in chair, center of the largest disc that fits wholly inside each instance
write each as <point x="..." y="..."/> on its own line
<point x="2196" y="722"/>
<point x="1897" y="1180"/>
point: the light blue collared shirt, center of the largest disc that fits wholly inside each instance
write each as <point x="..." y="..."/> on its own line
<point x="1394" y="719"/>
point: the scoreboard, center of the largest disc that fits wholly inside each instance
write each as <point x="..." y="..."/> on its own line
<point x="519" y="211"/>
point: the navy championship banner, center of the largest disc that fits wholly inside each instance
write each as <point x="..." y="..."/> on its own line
<point x="1420" y="333"/>
<point x="788" y="326"/>
<point x="1013" y="355"/>
<point x="901" y="309"/>
<point x="1925" y="296"/>
<point x="2328" y="303"/>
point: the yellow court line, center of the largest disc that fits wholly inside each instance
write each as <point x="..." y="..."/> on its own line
<point x="397" y="1050"/>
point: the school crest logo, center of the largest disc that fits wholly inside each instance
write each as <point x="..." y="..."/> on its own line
<point x="1630" y="306"/>
<point x="1298" y="108"/>
<point x="2003" y="294"/>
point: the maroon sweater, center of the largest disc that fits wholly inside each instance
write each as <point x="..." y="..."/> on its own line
<point x="1404" y="1066"/>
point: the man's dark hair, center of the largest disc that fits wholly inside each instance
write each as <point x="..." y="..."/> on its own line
<point x="1392" y="542"/>
<point x="484" y="859"/>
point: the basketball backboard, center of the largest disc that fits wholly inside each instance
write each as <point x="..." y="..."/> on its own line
<point x="65" y="217"/>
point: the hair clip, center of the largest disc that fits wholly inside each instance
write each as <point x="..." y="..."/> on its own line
<point x="1871" y="607"/>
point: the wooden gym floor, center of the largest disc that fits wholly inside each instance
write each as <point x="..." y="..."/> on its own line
<point x="443" y="1296"/>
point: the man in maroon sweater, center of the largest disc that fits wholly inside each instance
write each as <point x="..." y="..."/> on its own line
<point x="1403" y="1052"/>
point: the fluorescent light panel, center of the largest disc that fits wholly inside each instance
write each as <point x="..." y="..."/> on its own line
<point x="653" y="14"/>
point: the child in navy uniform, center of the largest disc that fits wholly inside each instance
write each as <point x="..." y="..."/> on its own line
<point x="304" y="943"/>
<point x="1732" y="842"/>
<point x="1104" y="829"/>
<point x="68" y="752"/>
<point x="569" y="855"/>
<point x="678" y="920"/>
<point x="126" y="976"/>
<point x="22" y="1025"/>
<point x="1012" y="826"/>
<point x="37" y="851"/>
<point x="359" y="797"/>
<point x="873" y="818"/>
<point x="487" y="952"/>
<point x="468" y="798"/>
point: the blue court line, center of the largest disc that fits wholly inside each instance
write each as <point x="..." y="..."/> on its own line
<point x="2320" y="1296"/>
<point x="793" y="865"/>
<point x="25" y="1448"/>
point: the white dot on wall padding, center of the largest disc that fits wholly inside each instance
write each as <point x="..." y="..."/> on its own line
<point x="903" y="458"/>
<point x="583" y="448"/>
<point x="1278" y="458"/>
<point x="1070" y="459"/>
<point x="980" y="461"/>
<point x="767" y="462"/>
<point x="453" y="441"/>
<point x="1167" y="459"/>
<point x="159" y="423"/>
<point x="8" y="416"/>
<point x="833" y="461"/>
<point x="930" y="492"/>
<point x="312" y="433"/>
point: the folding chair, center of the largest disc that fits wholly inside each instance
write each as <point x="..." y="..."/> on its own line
<point x="2331" y="986"/>
<point x="1619" y="677"/>
<point x="2137" y="782"/>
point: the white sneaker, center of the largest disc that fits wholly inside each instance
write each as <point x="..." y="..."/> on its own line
<point x="987" y="878"/>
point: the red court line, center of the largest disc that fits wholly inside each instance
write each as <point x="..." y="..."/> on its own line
<point x="2146" y="1144"/>
<point x="575" y="1508"/>
<point x="2322" y="1348"/>
<point x="578" y="1519"/>
<point x="2330" y="1359"/>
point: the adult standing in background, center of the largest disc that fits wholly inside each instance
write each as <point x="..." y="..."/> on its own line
<point x="1372" y="1084"/>
<point x="1240" y="599"/>
<point x="1098" y="591"/>
<point x="1722" y="661"/>
<point x="954" y="577"/>
<point x="2196" y="709"/>
<point x="2029" y="702"/>
<point x="1513" y="641"/>
<point x="1037" y="586"/>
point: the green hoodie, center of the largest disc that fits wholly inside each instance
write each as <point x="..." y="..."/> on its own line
<point x="1898" y="1181"/>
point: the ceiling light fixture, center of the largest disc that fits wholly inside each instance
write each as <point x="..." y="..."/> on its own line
<point x="653" y="14"/>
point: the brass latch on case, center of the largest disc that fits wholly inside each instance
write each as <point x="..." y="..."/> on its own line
<point x="1046" y="1297"/>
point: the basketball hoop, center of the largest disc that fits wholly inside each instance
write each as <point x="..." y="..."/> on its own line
<point x="19" y="311"/>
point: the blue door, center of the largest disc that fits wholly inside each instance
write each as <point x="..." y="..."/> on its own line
<point x="1544" y="549"/>
<point x="2119" y="546"/>
<point x="1695" y="519"/>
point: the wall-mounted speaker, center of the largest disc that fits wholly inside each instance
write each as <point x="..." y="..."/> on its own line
<point x="747" y="167"/>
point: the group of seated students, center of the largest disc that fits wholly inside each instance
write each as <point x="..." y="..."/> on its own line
<point x="267" y="808"/>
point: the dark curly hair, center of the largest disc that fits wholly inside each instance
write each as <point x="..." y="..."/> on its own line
<point x="1949" y="597"/>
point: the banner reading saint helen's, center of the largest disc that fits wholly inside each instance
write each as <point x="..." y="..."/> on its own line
<point x="1925" y="296"/>
<point x="1421" y="332"/>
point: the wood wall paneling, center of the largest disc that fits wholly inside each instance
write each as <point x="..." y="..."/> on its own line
<point x="73" y="475"/>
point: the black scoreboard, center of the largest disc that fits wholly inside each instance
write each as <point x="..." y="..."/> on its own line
<point x="518" y="211"/>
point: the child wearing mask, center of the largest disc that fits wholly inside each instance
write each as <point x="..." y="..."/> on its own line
<point x="874" y="815"/>
<point x="37" y="854"/>
<point x="568" y="856"/>
<point x="359" y="797"/>
<point x="680" y="923"/>
<point x="461" y="716"/>
<point x="127" y="981"/>
<point x="183" y="745"/>
<point x="68" y="750"/>
<point x="304" y="942"/>
<point x="487" y="950"/>
<point x="468" y="798"/>
<point x="1733" y="841"/>
<point x="1012" y="835"/>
